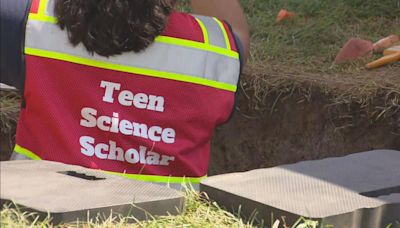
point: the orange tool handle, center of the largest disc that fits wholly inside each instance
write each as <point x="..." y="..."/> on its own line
<point x="392" y="50"/>
<point x="384" y="60"/>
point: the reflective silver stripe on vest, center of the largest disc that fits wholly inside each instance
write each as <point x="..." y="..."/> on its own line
<point x="17" y="156"/>
<point x="215" y="33"/>
<point x="159" y="56"/>
<point x="49" y="10"/>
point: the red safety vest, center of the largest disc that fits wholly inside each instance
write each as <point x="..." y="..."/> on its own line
<point x="148" y="116"/>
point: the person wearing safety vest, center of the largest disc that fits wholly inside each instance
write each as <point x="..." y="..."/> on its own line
<point x="132" y="88"/>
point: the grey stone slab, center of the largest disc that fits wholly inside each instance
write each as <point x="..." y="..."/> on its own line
<point x="70" y="192"/>
<point x="358" y="190"/>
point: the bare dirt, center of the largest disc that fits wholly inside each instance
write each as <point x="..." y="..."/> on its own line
<point x="9" y="110"/>
<point x="301" y="119"/>
<point x="295" y="131"/>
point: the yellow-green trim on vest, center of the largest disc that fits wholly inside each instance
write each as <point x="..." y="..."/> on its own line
<point x="43" y="18"/>
<point x="204" y="30"/>
<point x="226" y="37"/>
<point x="160" y="179"/>
<point x="129" y="69"/>
<point x="148" y="178"/>
<point x="197" y="45"/>
<point x="42" y="7"/>
<point x="27" y="153"/>
<point x="41" y="14"/>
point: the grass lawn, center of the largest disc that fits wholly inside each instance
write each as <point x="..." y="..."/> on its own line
<point x="313" y="37"/>
<point x="299" y="53"/>
<point x="199" y="213"/>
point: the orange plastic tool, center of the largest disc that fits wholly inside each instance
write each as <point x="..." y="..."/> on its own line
<point x="384" y="60"/>
<point x="386" y="42"/>
<point x="354" y="49"/>
<point x="392" y="50"/>
<point x="283" y="15"/>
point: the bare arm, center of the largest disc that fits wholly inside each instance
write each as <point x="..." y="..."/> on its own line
<point x="230" y="11"/>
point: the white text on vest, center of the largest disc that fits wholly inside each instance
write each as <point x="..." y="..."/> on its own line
<point x="127" y="98"/>
<point x="115" y="125"/>
<point x="116" y="153"/>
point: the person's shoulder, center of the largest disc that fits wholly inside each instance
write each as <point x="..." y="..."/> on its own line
<point x="186" y="26"/>
<point x="183" y="26"/>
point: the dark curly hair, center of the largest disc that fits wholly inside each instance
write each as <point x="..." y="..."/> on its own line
<point x="110" y="27"/>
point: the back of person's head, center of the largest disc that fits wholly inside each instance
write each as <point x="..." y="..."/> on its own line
<point x="110" y="27"/>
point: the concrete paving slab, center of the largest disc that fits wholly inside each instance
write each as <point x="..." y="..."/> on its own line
<point x="70" y="192"/>
<point x="358" y="190"/>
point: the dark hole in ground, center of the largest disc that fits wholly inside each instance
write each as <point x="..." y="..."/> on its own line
<point x="289" y="129"/>
<point x="298" y="129"/>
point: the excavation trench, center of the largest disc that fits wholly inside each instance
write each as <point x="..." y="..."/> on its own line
<point x="298" y="127"/>
<point x="283" y="128"/>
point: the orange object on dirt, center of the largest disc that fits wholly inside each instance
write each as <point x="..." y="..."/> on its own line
<point x="354" y="49"/>
<point x="384" y="60"/>
<point x="283" y="15"/>
<point x="392" y="50"/>
<point x="386" y="42"/>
